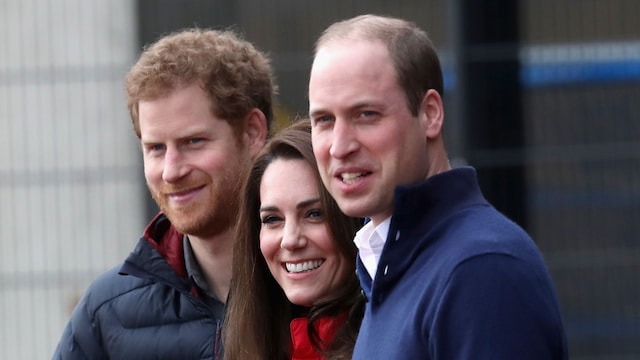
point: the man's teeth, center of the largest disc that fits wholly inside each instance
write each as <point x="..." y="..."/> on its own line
<point x="349" y="178"/>
<point x="304" y="266"/>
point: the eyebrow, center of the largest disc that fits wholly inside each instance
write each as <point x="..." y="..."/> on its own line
<point x="196" y="132"/>
<point x="317" y="112"/>
<point x="301" y="205"/>
<point x="356" y="106"/>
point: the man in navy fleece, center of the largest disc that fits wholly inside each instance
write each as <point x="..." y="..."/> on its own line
<point x="446" y="276"/>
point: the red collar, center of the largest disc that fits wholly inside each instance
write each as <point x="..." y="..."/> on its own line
<point x="300" y="342"/>
<point x="168" y="242"/>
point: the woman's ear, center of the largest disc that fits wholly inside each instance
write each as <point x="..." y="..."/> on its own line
<point x="255" y="131"/>
<point x="433" y="112"/>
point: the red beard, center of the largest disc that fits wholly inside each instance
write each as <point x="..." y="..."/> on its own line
<point x="210" y="215"/>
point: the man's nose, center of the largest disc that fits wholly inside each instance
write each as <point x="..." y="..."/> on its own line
<point x="175" y="166"/>
<point x="343" y="141"/>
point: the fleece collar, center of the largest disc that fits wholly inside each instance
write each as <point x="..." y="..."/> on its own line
<point x="168" y="242"/>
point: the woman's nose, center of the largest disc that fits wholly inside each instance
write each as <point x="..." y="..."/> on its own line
<point x="292" y="237"/>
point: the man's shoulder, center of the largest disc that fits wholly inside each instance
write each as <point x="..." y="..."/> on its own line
<point x="111" y="285"/>
<point x="128" y="316"/>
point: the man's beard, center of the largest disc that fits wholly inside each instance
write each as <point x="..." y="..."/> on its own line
<point x="214" y="214"/>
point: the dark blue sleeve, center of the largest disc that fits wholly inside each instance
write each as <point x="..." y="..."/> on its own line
<point x="496" y="306"/>
<point x="81" y="337"/>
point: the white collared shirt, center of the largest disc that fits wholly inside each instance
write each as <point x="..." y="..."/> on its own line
<point x="370" y="242"/>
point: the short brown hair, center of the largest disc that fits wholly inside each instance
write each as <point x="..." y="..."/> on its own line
<point x="235" y="75"/>
<point x="412" y="53"/>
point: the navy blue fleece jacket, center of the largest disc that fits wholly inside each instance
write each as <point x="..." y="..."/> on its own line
<point x="458" y="280"/>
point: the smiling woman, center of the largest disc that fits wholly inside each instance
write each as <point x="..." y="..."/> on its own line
<point x="294" y="293"/>
<point x="294" y="238"/>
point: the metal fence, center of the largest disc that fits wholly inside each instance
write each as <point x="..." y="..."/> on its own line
<point x="72" y="196"/>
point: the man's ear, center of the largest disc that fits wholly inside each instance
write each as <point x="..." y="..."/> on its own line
<point x="433" y="111"/>
<point x="255" y="131"/>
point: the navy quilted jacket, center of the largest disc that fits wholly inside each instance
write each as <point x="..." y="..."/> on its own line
<point x="143" y="309"/>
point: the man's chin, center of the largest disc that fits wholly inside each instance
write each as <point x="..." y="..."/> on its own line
<point x="191" y="229"/>
<point x="184" y="222"/>
<point x="353" y="209"/>
<point x="203" y="227"/>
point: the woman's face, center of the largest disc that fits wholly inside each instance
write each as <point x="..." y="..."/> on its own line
<point x="294" y="237"/>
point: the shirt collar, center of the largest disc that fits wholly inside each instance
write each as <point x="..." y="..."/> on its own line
<point x="193" y="269"/>
<point x="370" y="242"/>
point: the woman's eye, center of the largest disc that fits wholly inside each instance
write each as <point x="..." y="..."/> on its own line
<point x="315" y="213"/>
<point x="269" y="219"/>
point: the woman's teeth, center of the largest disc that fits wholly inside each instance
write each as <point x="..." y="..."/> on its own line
<point x="303" y="266"/>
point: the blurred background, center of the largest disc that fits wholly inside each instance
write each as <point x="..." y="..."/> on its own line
<point x="542" y="97"/>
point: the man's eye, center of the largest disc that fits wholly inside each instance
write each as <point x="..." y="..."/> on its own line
<point x="322" y="119"/>
<point x="156" y="147"/>
<point x="195" y="140"/>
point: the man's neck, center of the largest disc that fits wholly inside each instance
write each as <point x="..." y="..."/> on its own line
<point x="439" y="162"/>
<point x="214" y="255"/>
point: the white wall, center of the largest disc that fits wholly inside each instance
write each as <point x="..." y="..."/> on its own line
<point x="71" y="185"/>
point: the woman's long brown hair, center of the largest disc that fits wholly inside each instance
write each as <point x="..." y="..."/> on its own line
<point x="258" y="312"/>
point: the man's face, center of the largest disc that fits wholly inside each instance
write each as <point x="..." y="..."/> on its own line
<point x="192" y="161"/>
<point x="365" y="138"/>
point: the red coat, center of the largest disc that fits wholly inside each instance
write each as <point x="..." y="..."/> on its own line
<point x="300" y="342"/>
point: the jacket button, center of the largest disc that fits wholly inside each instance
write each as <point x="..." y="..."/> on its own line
<point x="386" y="269"/>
